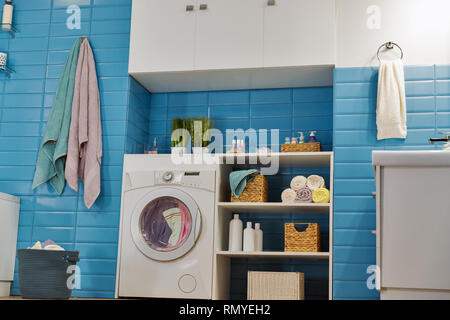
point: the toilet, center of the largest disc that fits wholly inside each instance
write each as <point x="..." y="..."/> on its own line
<point x="9" y="221"/>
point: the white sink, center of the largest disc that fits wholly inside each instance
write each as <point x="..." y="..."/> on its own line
<point x="431" y="158"/>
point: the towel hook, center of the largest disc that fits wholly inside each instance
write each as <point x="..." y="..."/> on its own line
<point x="389" y="45"/>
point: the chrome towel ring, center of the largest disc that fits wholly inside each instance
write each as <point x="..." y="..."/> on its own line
<point x="389" y="45"/>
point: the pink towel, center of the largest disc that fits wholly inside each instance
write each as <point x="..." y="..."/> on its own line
<point x="84" y="153"/>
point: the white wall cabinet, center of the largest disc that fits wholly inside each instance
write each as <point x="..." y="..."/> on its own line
<point x="184" y="45"/>
<point x="299" y="32"/>
<point x="229" y="34"/>
<point x="162" y="37"/>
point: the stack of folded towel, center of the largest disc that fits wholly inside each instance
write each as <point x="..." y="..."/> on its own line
<point x="306" y="190"/>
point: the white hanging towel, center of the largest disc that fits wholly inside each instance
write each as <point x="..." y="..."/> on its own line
<point x="391" y="103"/>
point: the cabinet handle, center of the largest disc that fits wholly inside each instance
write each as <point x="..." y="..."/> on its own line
<point x="271" y="3"/>
<point x="189" y="7"/>
<point x="203" y="7"/>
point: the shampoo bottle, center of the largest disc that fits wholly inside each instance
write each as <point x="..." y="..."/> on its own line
<point x="312" y="137"/>
<point x="235" y="234"/>
<point x="258" y="237"/>
<point x="302" y="137"/>
<point x="7" y="15"/>
<point x="249" y="238"/>
<point x="154" y="149"/>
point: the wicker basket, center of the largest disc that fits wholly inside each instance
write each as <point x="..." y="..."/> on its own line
<point x="301" y="147"/>
<point x="275" y="285"/>
<point x="255" y="191"/>
<point x="301" y="237"/>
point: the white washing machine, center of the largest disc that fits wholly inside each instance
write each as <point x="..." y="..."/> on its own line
<point x="167" y="229"/>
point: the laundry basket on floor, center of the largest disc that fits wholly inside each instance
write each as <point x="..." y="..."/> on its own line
<point x="44" y="274"/>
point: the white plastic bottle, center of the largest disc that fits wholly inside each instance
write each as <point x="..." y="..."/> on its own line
<point x="7" y="15"/>
<point x="258" y="237"/>
<point x="249" y="238"/>
<point x="235" y="234"/>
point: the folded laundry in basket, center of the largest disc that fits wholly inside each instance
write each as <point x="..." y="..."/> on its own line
<point x="47" y="245"/>
<point x="239" y="180"/>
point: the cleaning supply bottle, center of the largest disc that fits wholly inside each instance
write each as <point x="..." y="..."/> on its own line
<point x="312" y="137"/>
<point x="302" y="137"/>
<point x="154" y="149"/>
<point x="7" y="15"/>
<point x="241" y="146"/>
<point x="258" y="237"/>
<point x="249" y="238"/>
<point x="235" y="234"/>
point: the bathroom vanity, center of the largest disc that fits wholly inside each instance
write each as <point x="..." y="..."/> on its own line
<point x="413" y="220"/>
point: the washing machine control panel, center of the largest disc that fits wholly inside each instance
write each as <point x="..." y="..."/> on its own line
<point x="194" y="179"/>
<point x="168" y="176"/>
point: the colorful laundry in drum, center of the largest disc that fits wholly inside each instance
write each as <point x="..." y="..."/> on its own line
<point x="165" y="223"/>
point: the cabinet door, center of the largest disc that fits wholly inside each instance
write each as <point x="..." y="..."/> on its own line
<point x="229" y="34"/>
<point x="162" y="36"/>
<point x="299" y="32"/>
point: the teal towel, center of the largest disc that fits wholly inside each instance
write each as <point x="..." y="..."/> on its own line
<point x="53" y="150"/>
<point x="239" y="179"/>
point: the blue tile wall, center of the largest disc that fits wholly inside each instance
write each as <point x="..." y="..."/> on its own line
<point x="289" y="110"/>
<point x="38" y="54"/>
<point x="354" y="138"/>
<point x="138" y="118"/>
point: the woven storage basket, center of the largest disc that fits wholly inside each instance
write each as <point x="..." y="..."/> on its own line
<point x="255" y="191"/>
<point x="301" y="147"/>
<point x="301" y="237"/>
<point x="275" y="285"/>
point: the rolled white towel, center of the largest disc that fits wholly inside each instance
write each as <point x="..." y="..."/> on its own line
<point x="298" y="182"/>
<point x="314" y="182"/>
<point x="288" y="196"/>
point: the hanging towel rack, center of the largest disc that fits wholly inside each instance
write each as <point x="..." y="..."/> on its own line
<point x="389" y="45"/>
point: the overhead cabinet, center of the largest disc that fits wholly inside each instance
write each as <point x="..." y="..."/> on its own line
<point x="215" y="44"/>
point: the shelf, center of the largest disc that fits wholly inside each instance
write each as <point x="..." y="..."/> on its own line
<point x="7" y="27"/>
<point x="274" y="254"/>
<point x="286" y="159"/>
<point x="274" y="207"/>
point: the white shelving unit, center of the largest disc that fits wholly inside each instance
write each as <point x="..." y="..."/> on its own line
<point x="270" y="207"/>
<point x="225" y="210"/>
<point x="274" y="254"/>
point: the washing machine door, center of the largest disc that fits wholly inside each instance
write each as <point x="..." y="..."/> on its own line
<point x="165" y="224"/>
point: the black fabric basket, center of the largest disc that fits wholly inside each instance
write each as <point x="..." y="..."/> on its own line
<point x="43" y="273"/>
